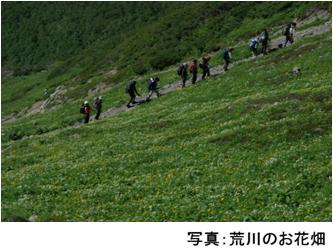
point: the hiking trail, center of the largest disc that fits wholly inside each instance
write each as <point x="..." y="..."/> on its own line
<point x="214" y="71"/>
<point x="274" y="44"/>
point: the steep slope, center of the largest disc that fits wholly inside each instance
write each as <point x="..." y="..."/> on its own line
<point x="99" y="46"/>
<point x="253" y="144"/>
<point x="63" y="115"/>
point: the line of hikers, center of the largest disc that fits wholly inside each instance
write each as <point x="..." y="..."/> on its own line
<point x="132" y="91"/>
<point x="262" y="38"/>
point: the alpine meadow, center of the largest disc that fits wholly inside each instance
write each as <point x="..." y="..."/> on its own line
<point x="251" y="141"/>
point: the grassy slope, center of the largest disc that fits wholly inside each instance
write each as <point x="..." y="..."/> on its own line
<point x="84" y="71"/>
<point x="253" y="144"/>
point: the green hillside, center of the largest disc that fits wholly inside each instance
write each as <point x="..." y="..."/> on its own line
<point x="251" y="144"/>
<point x="132" y="37"/>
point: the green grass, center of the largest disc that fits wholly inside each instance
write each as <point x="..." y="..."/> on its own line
<point x="250" y="145"/>
<point x="83" y="71"/>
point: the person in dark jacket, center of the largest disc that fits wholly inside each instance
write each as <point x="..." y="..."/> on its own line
<point x="205" y="67"/>
<point x="289" y="33"/>
<point x="86" y="112"/>
<point x="152" y="87"/>
<point x="227" y="57"/>
<point x="98" y="106"/>
<point x="132" y="92"/>
<point x="194" y="70"/>
<point x="264" y="41"/>
<point x="182" y="72"/>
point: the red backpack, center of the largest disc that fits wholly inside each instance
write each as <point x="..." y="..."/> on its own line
<point x="193" y="67"/>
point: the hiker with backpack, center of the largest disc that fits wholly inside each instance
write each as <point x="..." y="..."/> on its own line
<point x="152" y="87"/>
<point x="205" y="67"/>
<point x="253" y="44"/>
<point x="98" y="106"/>
<point x="226" y="55"/>
<point x="85" y="110"/>
<point x="264" y="41"/>
<point x="132" y="92"/>
<point x="289" y="33"/>
<point x="194" y="70"/>
<point x="182" y="72"/>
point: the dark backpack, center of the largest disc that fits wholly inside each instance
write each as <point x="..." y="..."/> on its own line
<point x="180" y="69"/>
<point x="152" y="84"/>
<point x="82" y="109"/>
<point x="225" y="54"/>
<point x="95" y="104"/>
<point x="130" y="86"/>
<point x="285" y="32"/>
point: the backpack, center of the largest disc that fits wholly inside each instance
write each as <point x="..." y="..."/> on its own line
<point x="130" y="86"/>
<point x="151" y="83"/>
<point x="252" y="43"/>
<point x="225" y="54"/>
<point x="95" y="104"/>
<point x="82" y="109"/>
<point x="192" y="68"/>
<point x="127" y="88"/>
<point x="180" y="69"/>
<point x="285" y="32"/>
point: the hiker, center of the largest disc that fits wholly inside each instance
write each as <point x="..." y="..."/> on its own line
<point x="253" y="44"/>
<point x="289" y="33"/>
<point x="194" y="70"/>
<point x="227" y="57"/>
<point x="46" y="93"/>
<point x="182" y="72"/>
<point x="98" y="106"/>
<point x="152" y="87"/>
<point x="132" y="92"/>
<point x="85" y="110"/>
<point x="205" y="67"/>
<point x="264" y="41"/>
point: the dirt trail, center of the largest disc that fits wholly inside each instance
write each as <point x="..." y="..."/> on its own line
<point x="274" y="44"/>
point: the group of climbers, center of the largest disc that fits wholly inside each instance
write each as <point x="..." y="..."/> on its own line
<point x="193" y="68"/>
<point x="263" y="39"/>
<point x="260" y="38"/>
<point x="132" y="91"/>
<point x="86" y="109"/>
